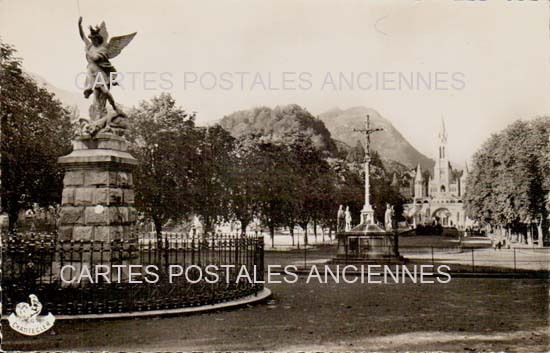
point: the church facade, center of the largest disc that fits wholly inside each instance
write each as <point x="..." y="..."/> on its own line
<point x="437" y="196"/>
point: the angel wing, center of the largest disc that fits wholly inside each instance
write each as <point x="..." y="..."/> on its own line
<point x="116" y="44"/>
<point x="103" y="31"/>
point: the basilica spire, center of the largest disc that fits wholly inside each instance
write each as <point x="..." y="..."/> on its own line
<point x="418" y="176"/>
<point x="443" y="132"/>
<point x="442" y="145"/>
<point x="440" y="193"/>
<point x="418" y="183"/>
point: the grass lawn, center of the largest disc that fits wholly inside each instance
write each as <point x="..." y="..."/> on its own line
<point x="465" y="314"/>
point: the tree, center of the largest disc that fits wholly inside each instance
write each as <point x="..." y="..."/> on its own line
<point x="164" y="141"/>
<point x="327" y="200"/>
<point x="382" y="191"/>
<point x="277" y="183"/>
<point x="356" y="154"/>
<point x="540" y="187"/>
<point x="507" y="187"/>
<point x="212" y="169"/>
<point x="310" y="170"/>
<point x="351" y="187"/>
<point x="244" y="181"/>
<point x="35" y="131"/>
<point x="278" y="122"/>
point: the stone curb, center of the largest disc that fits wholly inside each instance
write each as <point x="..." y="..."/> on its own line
<point x="516" y="275"/>
<point x="261" y="296"/>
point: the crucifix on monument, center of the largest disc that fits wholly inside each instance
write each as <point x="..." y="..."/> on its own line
<point x="367" y="241"/>
<point x="367" y="213"/>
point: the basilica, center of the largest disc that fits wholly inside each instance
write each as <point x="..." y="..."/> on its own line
<point x="437" y="197"/>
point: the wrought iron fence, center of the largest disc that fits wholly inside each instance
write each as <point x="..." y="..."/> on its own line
<point x="94" y="277"/>
<point x="460" y="259"/>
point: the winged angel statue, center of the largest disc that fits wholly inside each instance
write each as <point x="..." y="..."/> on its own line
<point x="99" y="77"/>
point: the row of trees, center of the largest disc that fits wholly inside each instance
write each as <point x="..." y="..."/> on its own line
<point x="35" y="129"/>
<point x="509" y="185"/>
<point x="284" y="181"/>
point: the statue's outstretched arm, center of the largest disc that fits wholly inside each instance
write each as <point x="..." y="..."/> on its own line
<point x="82" y="35"/>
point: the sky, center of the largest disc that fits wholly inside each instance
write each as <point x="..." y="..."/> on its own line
<point x="491" y="58"/>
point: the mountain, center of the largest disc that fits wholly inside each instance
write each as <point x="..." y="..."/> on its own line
<point x="279" y="122"/>
<point x="390" y="144"/>
<point x="332" y="131"/>
<point x="70" y="99"/>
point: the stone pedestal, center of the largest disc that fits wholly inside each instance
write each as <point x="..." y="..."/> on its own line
<point x="367" y="214"/>
<point x="367" y="243"/>
<point x="98" y="195"/>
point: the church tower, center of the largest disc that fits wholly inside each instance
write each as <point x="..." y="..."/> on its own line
<point x="442" y="173"/>
<point x="462" y="180"/>
<point x="418" y="183"/>
<point x="441" y="201"/>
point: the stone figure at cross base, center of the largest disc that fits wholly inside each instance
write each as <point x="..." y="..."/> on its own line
<point x="348" y="219"/>
<point x="341" y="219"/>
<point x="99" y="76"/>
<point x="388" y="217"/>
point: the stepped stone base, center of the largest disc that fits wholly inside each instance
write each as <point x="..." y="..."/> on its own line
<point x="369" y="260"/>
<point x="98" y="195"/>
<point x="368" y="244"/>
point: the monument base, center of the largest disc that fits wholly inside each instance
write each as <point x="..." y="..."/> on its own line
<point x="98" y="195"/>
<point x="368" y="243"/>
<point x="367" y="214"/>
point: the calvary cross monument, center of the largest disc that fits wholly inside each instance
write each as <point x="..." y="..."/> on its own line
<point x="367" y="242"/>
<point x="367" y="213"/>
